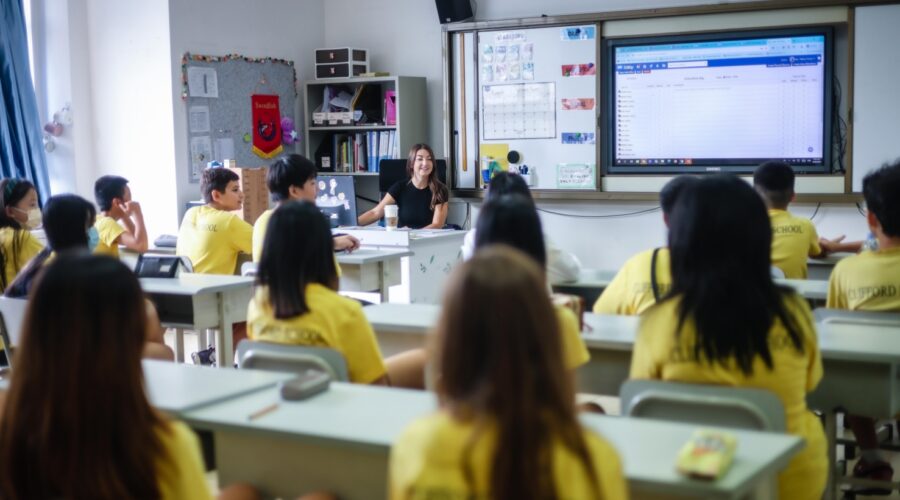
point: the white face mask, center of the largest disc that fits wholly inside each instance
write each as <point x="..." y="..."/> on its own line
<point x="34" y="217"/>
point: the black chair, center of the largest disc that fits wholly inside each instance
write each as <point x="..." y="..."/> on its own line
<point x="392" y="171"/>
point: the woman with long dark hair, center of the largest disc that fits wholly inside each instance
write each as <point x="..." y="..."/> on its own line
<point x="19" y="216"/>
<point x="726" y="322"/>
<point x="507" y="425"/>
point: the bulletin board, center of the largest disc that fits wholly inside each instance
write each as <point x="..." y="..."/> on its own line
<point x="537" y="95"/>
<point x="216" y="91"/>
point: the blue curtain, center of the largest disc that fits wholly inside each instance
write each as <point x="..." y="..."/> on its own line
<point x="21" y="146"/>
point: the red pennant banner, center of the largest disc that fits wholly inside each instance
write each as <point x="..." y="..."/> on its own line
<point x="266" y="125"/>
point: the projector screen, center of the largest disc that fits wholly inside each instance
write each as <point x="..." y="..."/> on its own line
<point x="723" y="102"/>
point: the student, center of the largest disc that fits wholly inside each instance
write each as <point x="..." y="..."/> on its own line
<point x="562" y="267"/>
<point x="507" y="424"/>
<point x="210" y="235"/>
<point x="89" y="432"/>
<point x="292" y="177"/>
<point x="794" y="238"/>
<point x="870" y="281"/>
<point x="296" y="300"/>
<point x="512" y="220"/>
<point x="421" y="198"/>
<point x="117" y="209"/>
<point x="726" y="322"/>
<point x="645" y="278"/>
<point x="20" y="215"/>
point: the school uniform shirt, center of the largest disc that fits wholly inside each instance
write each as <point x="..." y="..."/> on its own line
<point x="259" y="236"/>
<point x="28" y="247"/>
<point x="562" y="266"/>
<point x="212" y="239"/>
<point x="869" y="281"/>
<point x="109" y="231"/>
<point x="427" y="461"/>
<point x="332" y="321"/>
<point x="413" y="204"/>
<point x="794" y="239"/>
<point x="660" y="353"/>
<point x="574" y="350"/>
<point x="631" y="291"/>
<point x="181" y="472"/>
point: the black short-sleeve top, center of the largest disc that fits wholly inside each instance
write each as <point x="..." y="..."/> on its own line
<point x="414" y="204"/>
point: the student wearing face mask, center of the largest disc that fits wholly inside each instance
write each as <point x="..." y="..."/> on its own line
<point x="20" y="214"/>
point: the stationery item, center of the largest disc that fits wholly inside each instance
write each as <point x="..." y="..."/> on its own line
<point x="262" y="412"/>
<point x="707" y="455"/>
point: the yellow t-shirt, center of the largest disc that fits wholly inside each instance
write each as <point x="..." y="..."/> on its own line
<point x="426" y="462"/>
<point x="661" y="354"/>
<point x="109" y="231"/>
<point x="869" y="281"/>
<point x="332" y="321"/>
<point x="631" y="292"/>
<point x="259" y="233"/>
<point x="212" y="239"/>
<point x="28" y="246"/>
<point x="575" y="353"/>
<point x="181" y="473"/>
<point x="794" y="239"/>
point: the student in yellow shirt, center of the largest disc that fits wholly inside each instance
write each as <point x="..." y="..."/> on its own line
<point x="513" y="220"/>
<point x="210" y="235"/>
<point x="726" y="322"/>
<point x="117" y="209"/>
<point x="292" y="177"/>
<point x="793" y="238"/>
<point x="645" y="278"/>
<point x="870" y="281"/>
<point x="20" y="215"/>
<point x="296" y="300"/>
<point x="507" y="427"/>
<point x="89" y="432"/>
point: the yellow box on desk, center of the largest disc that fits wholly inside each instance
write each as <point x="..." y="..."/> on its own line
<point x="256" y="194"/>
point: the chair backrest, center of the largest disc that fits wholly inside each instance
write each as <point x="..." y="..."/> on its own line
<point x="721" y="406"/>
<point x="248" y="269"/>
<point x="392" y="171"/>
<point x="824" y="315"/>
<point x="291" y="358"/>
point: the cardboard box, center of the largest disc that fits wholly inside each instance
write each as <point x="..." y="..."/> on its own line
<point x="256" y="193"/>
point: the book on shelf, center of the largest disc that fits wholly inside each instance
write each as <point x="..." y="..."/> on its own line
<point x="362" y="151"/>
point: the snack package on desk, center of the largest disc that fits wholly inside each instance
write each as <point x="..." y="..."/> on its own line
<point x="707" y="455"/>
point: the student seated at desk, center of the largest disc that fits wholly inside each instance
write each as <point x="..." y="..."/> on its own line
<point x="421" y="199"/>
<point x="117" y="209"/>
<point x="292" y="177"/>
<point x="20" y="215"/>
<point x="507" y="427"/>
<point x="645" y="278"/>
<point x="76" y="422"/>
<point x="727" y="322"/>
<point x="870" y="281"/>
<point x="562" y="266"/>
<point x="296" y="300"/>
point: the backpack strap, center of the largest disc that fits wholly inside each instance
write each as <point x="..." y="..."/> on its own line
<point x="654" y="285"/>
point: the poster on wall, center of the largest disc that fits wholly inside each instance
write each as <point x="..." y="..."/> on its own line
<point x="519" y="111"/>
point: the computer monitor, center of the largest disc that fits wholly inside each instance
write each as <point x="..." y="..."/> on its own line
<point x="336" y="198"/>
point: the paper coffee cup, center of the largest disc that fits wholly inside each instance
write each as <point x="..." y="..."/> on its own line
<point x="391" y="218"/>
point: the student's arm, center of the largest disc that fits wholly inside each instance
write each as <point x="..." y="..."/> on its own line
<point x="360" y="349"/>
<point x="242" y="235"/>
<point x="816" y="251"/>
<point x="135" y="236"/>
<point x="440" y="217"/>
<point x="644" y="364"/>
<point x="839" y="245"/>
<point x="155" y="344"/>
<point x="345" y="242"/>
<point x="376" y="213"/>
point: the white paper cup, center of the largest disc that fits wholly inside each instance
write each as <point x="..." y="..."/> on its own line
<point x="391" y="217"/>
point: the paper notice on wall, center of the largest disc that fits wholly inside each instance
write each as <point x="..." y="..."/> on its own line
<point x="201" y="152"/>
<point x="576" y="176"/>
<point x="198" y="118"/>
<point x="225" y="148"/>
<point x="202" y="82"/>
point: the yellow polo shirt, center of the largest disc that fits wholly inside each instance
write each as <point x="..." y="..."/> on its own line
<point x="180" y="472"/>
<point x="428" y="459"/>
<point x="869" y="281"/>
<point x="109" y="231"/>
<point x="259" y="233"/>
<point x="631" y="292"/>
<point x="27" y="245"/>
<point x="332" y="321"/>
<point x="574" y="350"/>
<point x="212" y="239"/>
<point x="661" y="354"/>
<point x="794" y="239"/>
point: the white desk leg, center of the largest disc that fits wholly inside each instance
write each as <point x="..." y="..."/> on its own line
<point x="224" y="347"/>
<point x="179" y="345"/>
<point x="383" y="282"/>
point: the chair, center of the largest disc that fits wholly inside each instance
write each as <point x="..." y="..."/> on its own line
<point x="825" y="315"/>
<point x="392" y="171"/>
<point x="12" y="314"/>
<point x="291" y="358"/>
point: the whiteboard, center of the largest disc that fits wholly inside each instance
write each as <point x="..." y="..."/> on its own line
<point x="537" y="95"/>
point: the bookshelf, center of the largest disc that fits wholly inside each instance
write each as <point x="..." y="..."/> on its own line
<point x="340" y="142"/>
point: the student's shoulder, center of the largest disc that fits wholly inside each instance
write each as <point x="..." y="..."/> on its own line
<point x="398" y="187"/>
<point x="643" y="259"/>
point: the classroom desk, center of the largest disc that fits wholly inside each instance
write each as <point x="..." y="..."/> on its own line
<point x="812" y="290"/>
<point x="199" y="301"/>
<point x="371" y="269"/>
<point x="820" y="269"/>
<point x="295" y="449"/>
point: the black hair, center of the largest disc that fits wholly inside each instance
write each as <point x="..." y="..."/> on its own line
<point x="774" y="180"/>
<point x="215" y="179"/>
<point x="289" y="170"/>
<point x="298" y="250"/>
<point x="512" y="220"/>
<point x="504" y="183"/>
<point x="668" y="195"/>
<point x="881" y="189"/>
<point x="720" y="240"/>
<point x="11" y="192"/>
<point x="107" y="188"/>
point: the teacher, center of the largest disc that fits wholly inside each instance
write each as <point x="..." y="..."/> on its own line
<point x="421" y="198"/>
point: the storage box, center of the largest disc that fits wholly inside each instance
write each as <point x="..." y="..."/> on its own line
<point x="256" y="193"/>
<point x="342" y="55"/>
<point x="341" y="70"/>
